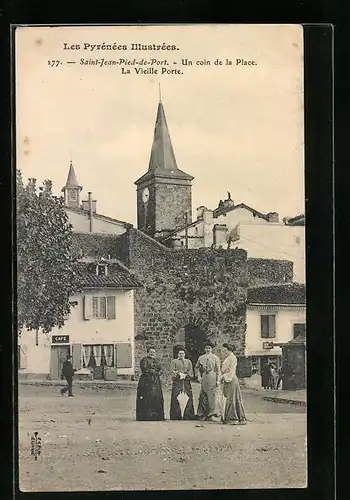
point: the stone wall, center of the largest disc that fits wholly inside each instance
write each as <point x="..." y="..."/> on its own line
<point x="196" y="288"/>
<point x="171" y="202"/>
<point x="201" y="288"/>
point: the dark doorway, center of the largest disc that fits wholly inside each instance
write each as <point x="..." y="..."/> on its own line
<point x="194" y="342"/>
<point x="58" y="356"/>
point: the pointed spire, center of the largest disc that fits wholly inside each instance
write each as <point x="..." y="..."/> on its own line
<point x="162" y="161"/>
<point x="72" y="178"/>
<point x="162" y="153"/>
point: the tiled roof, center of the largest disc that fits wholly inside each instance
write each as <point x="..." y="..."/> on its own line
<point x="283" y="293"/>
<point x="118" y="276"/>
<point x="229" y="208"/>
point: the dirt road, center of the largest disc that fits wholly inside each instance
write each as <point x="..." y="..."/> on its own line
<point x="92" y="442"/>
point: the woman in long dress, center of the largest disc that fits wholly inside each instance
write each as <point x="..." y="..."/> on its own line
<point x="150" y="401"/>
<point x="208" y="373"/>
<point x="181" y="372"/>
<point x="234" y="411"/>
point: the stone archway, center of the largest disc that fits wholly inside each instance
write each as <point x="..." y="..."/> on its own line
<point x="192" y="334"/>
<point x="195" y="337"/>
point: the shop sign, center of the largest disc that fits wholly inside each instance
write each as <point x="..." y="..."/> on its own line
<point x="60" y="339"/>
<point x="267" y="345"/>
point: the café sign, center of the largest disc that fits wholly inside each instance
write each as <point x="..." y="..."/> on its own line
<point x="60" y="339"/>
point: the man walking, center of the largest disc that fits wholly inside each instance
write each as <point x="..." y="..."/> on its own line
<point x="67" y="373"/>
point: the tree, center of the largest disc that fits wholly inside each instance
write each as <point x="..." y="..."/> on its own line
<point x="45" y="263"/>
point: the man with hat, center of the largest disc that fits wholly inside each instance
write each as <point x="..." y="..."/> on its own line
<point x="208" y="372"/>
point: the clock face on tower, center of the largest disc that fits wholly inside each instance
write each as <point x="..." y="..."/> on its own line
<point x="145" y="195"/>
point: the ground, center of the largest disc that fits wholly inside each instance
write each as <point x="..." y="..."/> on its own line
<point x="92" y="442"/>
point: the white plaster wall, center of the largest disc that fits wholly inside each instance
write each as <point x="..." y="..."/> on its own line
<point x="285" y="320"/>
<point x="275" y="241"/>
<point x="195" y="233"/>
<point x="81" y="331"/>
<point x="37" y="356"/>
<point x="239" y="215"/>
<point x="81" y="223"/>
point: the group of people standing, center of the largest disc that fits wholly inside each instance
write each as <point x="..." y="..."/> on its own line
<point x="271" y="378"/>
<point x="220" y="398"/>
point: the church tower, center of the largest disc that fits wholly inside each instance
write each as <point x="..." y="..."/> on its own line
<point x="164" y="200"/>
<point x="72" y="189"/>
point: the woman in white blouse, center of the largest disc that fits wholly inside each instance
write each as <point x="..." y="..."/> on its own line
<point x="234" y="411"/>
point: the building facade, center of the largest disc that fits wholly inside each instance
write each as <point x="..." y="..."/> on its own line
<point x="99" y="332"/>
<point x="276" y="314"/>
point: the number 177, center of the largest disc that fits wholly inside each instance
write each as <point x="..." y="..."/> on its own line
<point x="53" y="63"/>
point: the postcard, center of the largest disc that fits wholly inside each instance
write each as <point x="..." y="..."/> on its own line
<point x="161" y="257"/>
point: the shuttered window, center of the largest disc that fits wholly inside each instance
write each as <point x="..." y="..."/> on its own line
<point x="124" y="355"/>
<point x="22" y="356"/>
<point x="111" y="307"/>
<point x="99" y="307"/>
<point x="76" y="356"/>
<point x="268" y="326"/>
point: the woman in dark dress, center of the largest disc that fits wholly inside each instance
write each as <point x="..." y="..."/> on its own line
<point x="150" y="401"/>
<point x="266" y="376"/>
<point x="181" y="372"/>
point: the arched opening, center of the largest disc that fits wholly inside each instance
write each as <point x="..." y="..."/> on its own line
<point x="195" y="338"/>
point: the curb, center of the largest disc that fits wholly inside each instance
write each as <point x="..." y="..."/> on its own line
<point x="82" y="384"/>
<point x="285" y="400"/>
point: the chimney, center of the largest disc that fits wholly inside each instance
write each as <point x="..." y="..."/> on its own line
<point x="91" y="213"/>
<point x="272" y="217"/>
<point x="200" y="211"/>
<point x="220" y="232"/>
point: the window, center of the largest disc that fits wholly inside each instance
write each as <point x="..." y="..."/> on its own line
<point x="268" y="326"/>
<point x="299" y="329"/>
<point x="99" y="307"/>
<point x="101" y="270"/>
<point x="72" y="195"/>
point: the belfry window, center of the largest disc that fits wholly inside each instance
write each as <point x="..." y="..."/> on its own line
<point x="72" y="195"/>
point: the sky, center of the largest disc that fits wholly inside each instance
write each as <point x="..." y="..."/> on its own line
<point x="236" y="128"/>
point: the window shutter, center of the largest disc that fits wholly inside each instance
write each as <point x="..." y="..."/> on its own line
<point x="23" y="356"/>
<point x="264" y="326"/>
<point x="272" y="326"/>
<point x="87" y="307"/>
<point x="124" y="355"/>
<point x="111" y="307"/>
<point x="76" y="355"/>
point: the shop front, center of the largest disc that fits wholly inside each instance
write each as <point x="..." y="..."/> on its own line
<point x="107" y="361"/>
